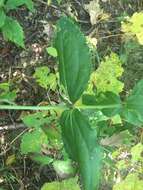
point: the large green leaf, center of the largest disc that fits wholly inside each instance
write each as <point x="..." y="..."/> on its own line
<point x="45" y="78"/>
<point x="133" y="108"/>
<point x="81" y="143"/>
<point x="13" y="31"/>
<point x="74" y="58"/>
<point x="64" y="168"/>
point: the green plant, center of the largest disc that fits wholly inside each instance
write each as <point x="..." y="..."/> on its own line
<point x="70" y="184"/>
<point x="9" y="27"/>
<point x="45" y="79"/>
<point x="6" y="94"/>
<point x="133" y="26"/>
<point x="111" y="66"/>
<point x="131" y="182"/>
<point x="81" y="137"/>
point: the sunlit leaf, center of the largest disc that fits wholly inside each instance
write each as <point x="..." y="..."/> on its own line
<point x="45" y="79"/>
<point x="131" y="182"/>
<point x="52" y="51"/>
<point x="136" y="152"/>
<point x="69" y="184"/>
<point x="133" y="26"/>
<point x="64" y="169"/>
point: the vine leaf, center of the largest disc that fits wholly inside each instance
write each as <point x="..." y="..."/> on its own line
<point x="74" y="58"/>
<point x="81" y="143"/>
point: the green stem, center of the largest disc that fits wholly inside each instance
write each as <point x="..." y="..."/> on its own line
<point x="18" y="107"/>
<point x="97" y="106"/>
<point x="58" y="107"/>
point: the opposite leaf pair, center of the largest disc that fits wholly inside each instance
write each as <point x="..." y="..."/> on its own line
<point x="79" y="138"/>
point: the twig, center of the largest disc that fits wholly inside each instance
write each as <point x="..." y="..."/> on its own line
<point x="17" y="137"/>
<point x="12" y="127"/>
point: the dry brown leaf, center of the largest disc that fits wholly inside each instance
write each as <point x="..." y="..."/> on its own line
<point x="94" y="10"/>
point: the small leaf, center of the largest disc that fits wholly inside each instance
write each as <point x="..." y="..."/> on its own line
<point x="36" y="120"/>
<point x="133" y="26"/>
<point x="80" y="141"/>
<point x="42" y="159"/>
<point x="69" y="184"/>
<point x="131" y="182"/>
<point x="64" y="169"/>
<point x="41" y="76"/>
<point x="59" y="1"/>
<point x="10" y="160"/>
<point x="7" y="95"/>
<point x="13" y="4"/>
<point x="2" y="17"/>
<point x="74" y="58"/>
<point x="136" y="152"/>
<point x="32" y="142"/>
<point x="13" y="31"/>
<point x="52" y="51"/>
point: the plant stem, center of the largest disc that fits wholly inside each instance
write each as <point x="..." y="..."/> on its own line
<point x="58" y="107"/>
<point x="98" y="106"/>
<point x="44" y="108"/>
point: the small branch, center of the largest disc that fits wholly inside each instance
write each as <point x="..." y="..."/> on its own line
<point x="12" y="127"/>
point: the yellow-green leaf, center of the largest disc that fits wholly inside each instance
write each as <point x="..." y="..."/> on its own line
<point x="131" y="182"/>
